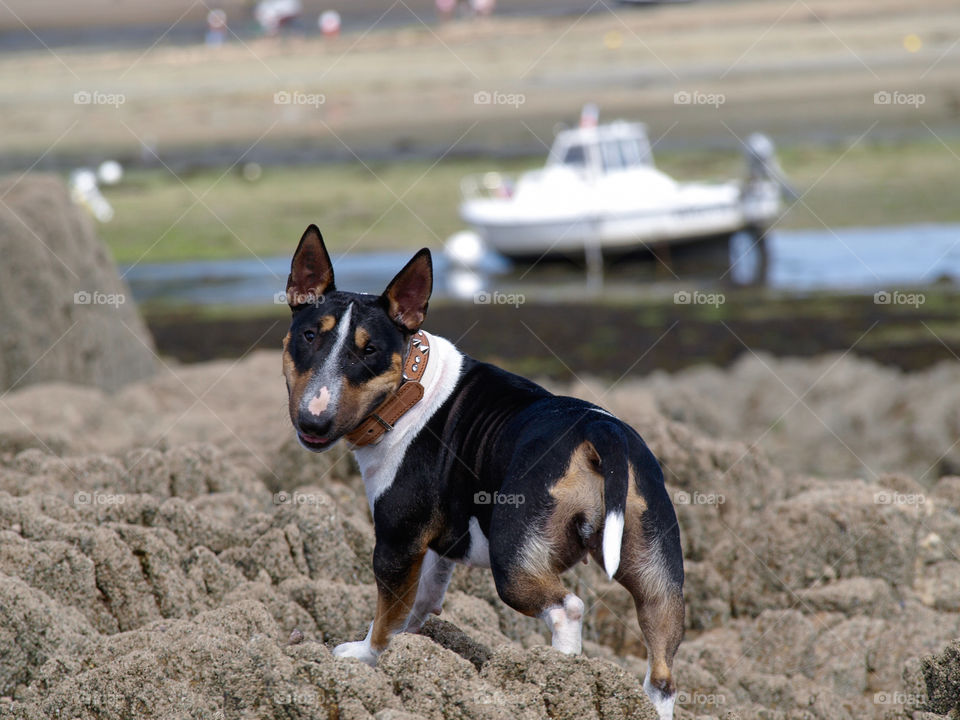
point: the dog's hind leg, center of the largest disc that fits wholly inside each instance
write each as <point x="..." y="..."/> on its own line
<point x="566" y="624"/>
<point x="658" y="597"/>
<point x="527" y="580"/>
<point x="648" y="562"/>
<point x="435" y="574"/>
<point x="544" y="596"/>
<point x="661" y="619"/>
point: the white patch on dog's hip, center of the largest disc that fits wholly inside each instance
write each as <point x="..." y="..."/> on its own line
<point x="479" y="553"/>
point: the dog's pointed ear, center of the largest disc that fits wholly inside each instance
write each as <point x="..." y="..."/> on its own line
<point x="311" y="272"/>
<point x="408" y="294"/>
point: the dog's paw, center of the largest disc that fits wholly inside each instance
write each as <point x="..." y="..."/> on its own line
<point x="359" y="650"/>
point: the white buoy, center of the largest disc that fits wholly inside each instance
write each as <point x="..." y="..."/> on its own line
<point x="110" y="172"/>
<point x="483" y="7"/>
<point x="465" y="248"/>
<point x="465" y="284"/>
<point x="83" y="180"/>
<point x="329" y="23"/>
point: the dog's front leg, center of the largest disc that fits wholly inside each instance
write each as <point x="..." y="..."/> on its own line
<point x="435" y="574"/>
<point x="397" y="572"/>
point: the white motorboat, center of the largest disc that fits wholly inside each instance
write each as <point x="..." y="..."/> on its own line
<point x="600" y="194"/>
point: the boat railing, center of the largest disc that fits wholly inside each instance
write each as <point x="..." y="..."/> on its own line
<point x="488" y="185"/>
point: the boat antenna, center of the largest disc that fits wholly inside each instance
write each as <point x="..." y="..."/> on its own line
<point x="589" y="116"/>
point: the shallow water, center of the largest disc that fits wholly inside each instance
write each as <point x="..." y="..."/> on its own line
<point x="864" y="258"/>
<point x="847" y="259"/>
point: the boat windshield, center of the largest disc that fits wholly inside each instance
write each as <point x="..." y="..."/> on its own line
<point x="575" y="157"/>
<point x="610" y="151"/>
<point x="620" y="154"/>
<point x="634" y="152"/>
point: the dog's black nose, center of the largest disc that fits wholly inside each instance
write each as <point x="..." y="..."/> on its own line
<point x="310" y="426"/>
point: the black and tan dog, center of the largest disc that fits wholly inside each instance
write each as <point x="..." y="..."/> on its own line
<point x="464" y="462"/>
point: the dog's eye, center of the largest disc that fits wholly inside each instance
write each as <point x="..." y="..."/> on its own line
<point x="369" y="349"/>
<point x="309" y="335"/>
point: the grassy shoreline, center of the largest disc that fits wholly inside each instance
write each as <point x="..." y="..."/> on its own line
<point x="608" y="338"/>
<point x="399" y="206"/>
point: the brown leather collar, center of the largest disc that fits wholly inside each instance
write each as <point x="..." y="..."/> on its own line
<point x="401" y="400"/>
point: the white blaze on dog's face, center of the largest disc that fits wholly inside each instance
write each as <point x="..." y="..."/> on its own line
<point x="344" y="352"/>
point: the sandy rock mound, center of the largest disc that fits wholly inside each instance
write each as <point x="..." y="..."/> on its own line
<point x="65" y="314"/>
<point x="831" y="416"/>
<point x="934" y="684"/>
<point x="181" y="556"/>
<point x="176" y="583"/>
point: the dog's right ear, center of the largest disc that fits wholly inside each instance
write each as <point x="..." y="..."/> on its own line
<point x="311" y="272"/>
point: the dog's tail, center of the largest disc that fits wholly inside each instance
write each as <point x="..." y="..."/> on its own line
<point x="611" y="445"/>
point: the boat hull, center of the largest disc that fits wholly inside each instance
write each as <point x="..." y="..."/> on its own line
<point x="618" y="235"/>
<point x="510" y="228"/>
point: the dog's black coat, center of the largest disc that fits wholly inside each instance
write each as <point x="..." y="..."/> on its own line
<point x="501" y="433"/>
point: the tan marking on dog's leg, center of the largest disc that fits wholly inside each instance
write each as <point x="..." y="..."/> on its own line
<point x="661" y="619"/>
<point x="543" y="595"/>
<point x="532" y="593"/>
<point x="394" y="606"/>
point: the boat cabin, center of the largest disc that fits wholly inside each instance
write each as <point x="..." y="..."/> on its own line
<point x="602" y="149"/>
